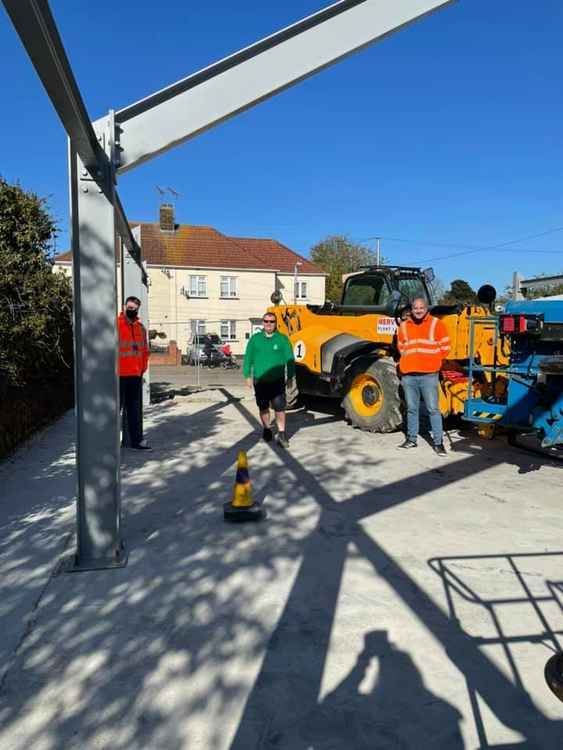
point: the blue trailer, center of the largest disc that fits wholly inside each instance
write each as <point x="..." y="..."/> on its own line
<point x="528" y="391"/>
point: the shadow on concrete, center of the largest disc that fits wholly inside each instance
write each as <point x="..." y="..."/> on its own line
<point x="463" y="576"/>
<point x="137" y="657"/>
<point x="398" y="705"/>
<point x="287" y="688"/>
<point x="106" y="655"/>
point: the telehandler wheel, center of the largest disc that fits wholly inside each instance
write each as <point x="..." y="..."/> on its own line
<point x="373" y="402"/>
<point x="554" y="674"/>
<point x="291" y="394"/>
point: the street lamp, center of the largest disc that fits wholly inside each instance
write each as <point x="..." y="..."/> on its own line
<point x="295" y="281"/>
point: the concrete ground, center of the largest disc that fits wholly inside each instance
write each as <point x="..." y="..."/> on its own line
<point x="166" y="377"/>
<point x="387" y="601"/>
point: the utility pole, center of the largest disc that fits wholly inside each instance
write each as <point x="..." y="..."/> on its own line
<point x="516" y="288"/>
<point x="378" y="253"/>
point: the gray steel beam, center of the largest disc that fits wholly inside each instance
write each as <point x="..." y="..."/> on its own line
<point x="144" y="297"/>
<point x="37" y="29"/>
<point x="190" y="106"/>
<point x="135" y="283"/>
<point x="132" y="245"/>
<point x="92" y="194"/>
<point x="99" y="543"/>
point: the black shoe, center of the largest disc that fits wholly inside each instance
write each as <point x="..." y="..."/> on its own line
<point x="267" y="435"/>
<point x="408" y="444"/>
<point x="141" y="447"/>
<point x="439" y="450"/>
<point x="282" y="440"/>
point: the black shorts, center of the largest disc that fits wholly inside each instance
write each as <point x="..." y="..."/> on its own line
<point x="270" y="393"/>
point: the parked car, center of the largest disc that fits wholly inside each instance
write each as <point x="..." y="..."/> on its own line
<point x="199" y="345"/>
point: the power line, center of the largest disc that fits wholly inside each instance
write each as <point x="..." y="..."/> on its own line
<point x="470" y="249"/>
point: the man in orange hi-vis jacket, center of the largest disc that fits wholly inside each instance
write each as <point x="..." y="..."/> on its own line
<point x="133" y="362"/>
<point x="423" y="344"/>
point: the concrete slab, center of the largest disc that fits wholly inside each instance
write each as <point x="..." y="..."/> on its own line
<point x="387" y="601"/>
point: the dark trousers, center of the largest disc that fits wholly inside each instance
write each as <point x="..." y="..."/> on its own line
<point x="131" y="402"/>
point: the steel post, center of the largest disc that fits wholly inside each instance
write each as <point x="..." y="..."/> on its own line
<point x="134" y="278"/>
<point x="145" y="321"/>
<point x="99" y="543"/>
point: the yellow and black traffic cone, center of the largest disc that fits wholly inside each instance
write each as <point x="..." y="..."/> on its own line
<point x="242" y="507"/>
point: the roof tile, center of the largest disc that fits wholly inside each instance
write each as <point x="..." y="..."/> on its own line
<point x="204" y="247"/>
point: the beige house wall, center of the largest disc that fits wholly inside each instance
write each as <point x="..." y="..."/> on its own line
<point x="172" y="307"/>
<point x="66" y="269"/>
<point x="315" y="288"/>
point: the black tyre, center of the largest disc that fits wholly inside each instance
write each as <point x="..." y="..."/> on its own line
<point x="291" y="394"/>
<point x="554" y="675"/>
<point x="373" y="401"/>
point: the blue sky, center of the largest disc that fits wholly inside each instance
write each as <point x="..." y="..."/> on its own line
<point x="442" y="138"/>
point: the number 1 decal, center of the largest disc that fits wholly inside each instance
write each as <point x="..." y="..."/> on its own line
<point x="299" y="350"/>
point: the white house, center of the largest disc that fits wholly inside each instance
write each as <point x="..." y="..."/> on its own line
<point x="202" y="280"/>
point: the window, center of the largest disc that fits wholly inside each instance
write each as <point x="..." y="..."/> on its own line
<point x="197" y="327"/>
<point x="366" y="289"/>
<point x="228" y="330"/>
<point x="198" y="286"/>
<point x="411" y="288"/>
<point x="301" y="290"/>
<point x="228" y="286"/>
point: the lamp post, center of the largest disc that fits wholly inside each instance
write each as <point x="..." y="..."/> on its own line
<point x="295" y="281"/>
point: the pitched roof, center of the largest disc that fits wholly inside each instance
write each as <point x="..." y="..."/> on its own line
<point x="280" y="256"/>
<point x="204" y="247"/>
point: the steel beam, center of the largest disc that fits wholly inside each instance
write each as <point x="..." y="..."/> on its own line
<point x="195" y="104"/>
<point x="99" y="543"/>
<point x="135" y="283"/>
<point x="129" y="239"/>
<point x="38" y="31"/>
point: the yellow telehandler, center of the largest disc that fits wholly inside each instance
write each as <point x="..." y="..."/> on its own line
<point x="349" y="351"/>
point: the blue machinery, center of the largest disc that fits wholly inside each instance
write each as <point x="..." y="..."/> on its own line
<point x="531" y="400"/>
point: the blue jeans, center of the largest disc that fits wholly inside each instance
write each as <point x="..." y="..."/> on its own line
<point x="425" y="386"/>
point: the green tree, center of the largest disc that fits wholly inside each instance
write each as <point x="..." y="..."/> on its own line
<point x="437" y="290"/>
<point x="459" y="292"/>
<point x="544" y="291"/>
<point x="338" y="255"/>
<point x="35" y="303"/>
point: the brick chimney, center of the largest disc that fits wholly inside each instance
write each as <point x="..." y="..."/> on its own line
<point x="167" y="217"/>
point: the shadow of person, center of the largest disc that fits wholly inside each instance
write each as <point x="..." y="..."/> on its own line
<point x="398" y="712"/>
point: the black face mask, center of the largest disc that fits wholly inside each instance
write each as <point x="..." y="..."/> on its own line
<point x="131" y="314"/>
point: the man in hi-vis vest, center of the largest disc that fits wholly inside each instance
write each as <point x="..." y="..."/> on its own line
<point x="133" y="361"/>
<point x="423" y="343"/>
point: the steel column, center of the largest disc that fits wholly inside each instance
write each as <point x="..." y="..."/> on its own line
<point x="145" y="129"/>
<point x="99" y="543"/>
<point x="135" y="283"/>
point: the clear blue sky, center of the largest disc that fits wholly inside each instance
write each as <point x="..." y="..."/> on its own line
<point x="445" y="136"/>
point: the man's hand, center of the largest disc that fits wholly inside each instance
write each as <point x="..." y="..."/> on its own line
<point x="249" y="382"/>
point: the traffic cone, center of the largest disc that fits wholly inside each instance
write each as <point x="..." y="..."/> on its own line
<point x="242" y="507"/>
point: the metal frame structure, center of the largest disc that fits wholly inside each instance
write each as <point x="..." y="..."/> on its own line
<point x="118" y="142"/>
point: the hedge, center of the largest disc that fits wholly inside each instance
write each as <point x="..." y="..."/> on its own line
<point x="27" y="409"/>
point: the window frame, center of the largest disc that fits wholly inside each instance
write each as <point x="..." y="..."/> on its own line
<point x="298" y="289"/>
<point x="232" y="284"/>
<point x="195" y="281"/>
<point x="231" y="325"/>
<point x="195" y="325"/>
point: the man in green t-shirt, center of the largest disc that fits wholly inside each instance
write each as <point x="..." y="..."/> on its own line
<point x="268" y="356"/>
